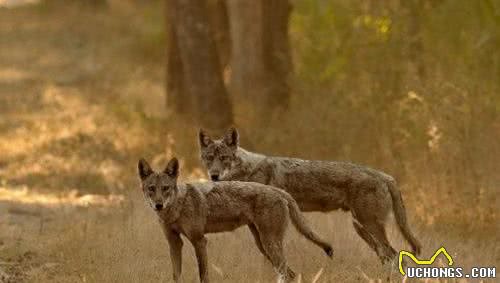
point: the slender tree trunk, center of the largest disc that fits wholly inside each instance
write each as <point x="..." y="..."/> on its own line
<point x="219" y="21"/>
<point x="246" y="51"/>
<point x="199" y="88"/>
<point x="415" y="46"/>
<point x="277" y="58"/>
<point x="260" y="55"/>
<point x="177" y="98"/>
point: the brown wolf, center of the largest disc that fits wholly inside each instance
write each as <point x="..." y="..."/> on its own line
<point x="369" y="194"/>
<point x="195" y="209"/>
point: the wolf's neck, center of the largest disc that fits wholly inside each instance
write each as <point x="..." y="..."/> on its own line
<point x="249" y="160"/>
<point x="171" y="213"/>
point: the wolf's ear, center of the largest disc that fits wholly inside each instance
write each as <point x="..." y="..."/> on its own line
<point x="172" y="168"/>
<point x="232" y="138"/>
<point x="204" y="139"/>
<point x="144" y="169"/>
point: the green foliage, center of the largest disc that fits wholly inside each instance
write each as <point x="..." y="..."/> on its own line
<point x="409" y="86"/>
<point x="319" y="30"/>
<point x="356" y="57"/>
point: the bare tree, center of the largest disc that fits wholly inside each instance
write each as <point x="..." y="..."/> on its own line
<point x="177" y="98"/>
<point x="194" y="78"/>
<point x="415" y="47"/>
<point x="260" y="55"/>
<point x="219" y="22"/>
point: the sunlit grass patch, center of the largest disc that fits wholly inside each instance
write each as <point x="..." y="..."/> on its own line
<point x="24" y="196"/>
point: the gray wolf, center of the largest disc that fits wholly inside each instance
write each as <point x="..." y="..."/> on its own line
<point x="195" y="209"/>
<point x="369" y="195"/>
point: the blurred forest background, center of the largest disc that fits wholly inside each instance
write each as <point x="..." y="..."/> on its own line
<point x="411" y="87"/>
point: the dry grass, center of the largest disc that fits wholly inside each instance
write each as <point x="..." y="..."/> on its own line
<point x="81" y="100"/>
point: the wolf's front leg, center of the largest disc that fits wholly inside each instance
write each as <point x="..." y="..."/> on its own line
<point x="175" y="244"/>
<point x="200" y="247"/>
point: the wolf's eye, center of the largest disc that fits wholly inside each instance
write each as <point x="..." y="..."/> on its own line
<point x="164" y="188"/>
<point x="151" y="188"/>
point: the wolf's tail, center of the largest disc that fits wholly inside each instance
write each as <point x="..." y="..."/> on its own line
<point x="400" y="215"/>
<point x="301" y="225"/>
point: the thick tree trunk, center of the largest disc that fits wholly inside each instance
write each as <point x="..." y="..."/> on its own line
<point x="260" y="55"/>
<point x="194" y="72"/>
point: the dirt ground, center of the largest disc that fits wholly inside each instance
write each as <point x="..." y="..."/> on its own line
<point x="80" y="102"/>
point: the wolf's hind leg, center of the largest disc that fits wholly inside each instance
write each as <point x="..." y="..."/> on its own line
<point x="365" y="235"/>
<point x="271" y="225"/>
<point x="378" y="229"/>
<point x="272" y="243"/>
<point x="256" y="236"/>
<point x="374" y="234"/>
<point x="276" y="256"/>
